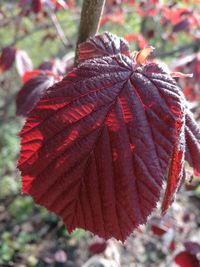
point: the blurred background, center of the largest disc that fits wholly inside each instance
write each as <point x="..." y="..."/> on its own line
<point x="37" y="38"/>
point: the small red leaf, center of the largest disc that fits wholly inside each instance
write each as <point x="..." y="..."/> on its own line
<point x="159" y="226"/>
<point x="106" y="44"/>
<point x="7" y="58"/>
<point x="31" y="92"/>
<point x="138" y="38"/>
<point x="117" y="17"/>
<point x="36" y="6"/>
<point x="172" y="246"/>
<point x="47" y="65"/>
<point x="98" y="247"/>
<point x="30" y="74"/>
<point x="182" y="25"/>
<point x="185" y="259"/>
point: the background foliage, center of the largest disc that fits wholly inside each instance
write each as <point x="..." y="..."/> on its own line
<point x="29" y="235"/>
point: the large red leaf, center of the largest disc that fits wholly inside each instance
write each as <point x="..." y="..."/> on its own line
<point x="96" y="148"/>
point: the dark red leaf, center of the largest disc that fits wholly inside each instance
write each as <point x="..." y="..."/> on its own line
<point x="7" y="58"/>
<point x="185" y="259"/>
<point x="36" y="6"/>
<point x="96" y="148"/>
<point x="106" y="44"/>
<point x="192" y="135"/>
<point x="30" y="74"/>
<point x="57" y="66"/>
<point x="182" y="25"/>
<point x="98" y="247"/>
<point x="34" y="73"/>
<point x="157" y="230"/>
<point x="159" y="226"/>
<point x="172" y="245"/>
<point x="47" y="65"/>
<point x="31" y="92"/>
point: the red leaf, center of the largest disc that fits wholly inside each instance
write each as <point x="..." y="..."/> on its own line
<point x="175" y="176"/>
<point x="98" y="247"/>
<point x="192" y="133"/>
<point x="30" y="74"/>
<point x="185" y="259"/>
<point x="182" y="25"/>
<point x="23" y="62"/>
<point x="96" y="147"/>
<point x="31" y="92"/>
<point x="36" y="6"/>
<point x="159" y="226"/>
<point x="172" y="246"/>
<point x="7" y="58"/>
<point x="106" y="44"/>
<point x="47" y="65"/>
<point x="34" y="73"/>
<point x="116" y="17"/>
<point x="157" y="230"/>
<point x="138" y="38"/>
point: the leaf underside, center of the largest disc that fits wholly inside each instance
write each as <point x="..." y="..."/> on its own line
<point x="97" y="146"/>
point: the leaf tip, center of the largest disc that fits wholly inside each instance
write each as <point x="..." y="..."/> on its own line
<point x="142" y="56"/>
<point x="181" y="75"/>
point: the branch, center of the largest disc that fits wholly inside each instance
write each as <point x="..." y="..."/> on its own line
<point x="28" y="34"/>
<point x="194" y="46"/>
<point x="66" y="42"/>
<point x="89" y="24"/>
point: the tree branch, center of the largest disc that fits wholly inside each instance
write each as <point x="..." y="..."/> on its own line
<point x="89" y="23"/>
<point x="194" y="46"/>
<point x="66" y="42"/>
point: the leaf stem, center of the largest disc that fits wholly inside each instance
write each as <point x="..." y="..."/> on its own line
<point x="89" y="23"/>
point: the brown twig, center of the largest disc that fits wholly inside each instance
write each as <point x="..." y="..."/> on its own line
<point x="66" y="42"/>
<point x="193" y="46"/>
<point x="89" y="23"/>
